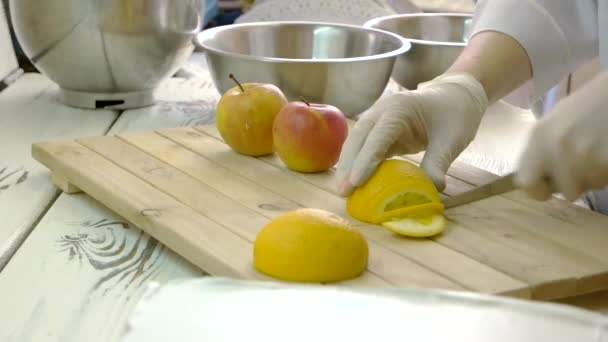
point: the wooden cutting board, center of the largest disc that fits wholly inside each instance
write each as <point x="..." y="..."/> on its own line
<point x="189" y="190"/>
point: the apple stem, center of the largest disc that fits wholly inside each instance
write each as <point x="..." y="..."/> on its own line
<point x="304" y="100"/>
<point x="237" y="82"/>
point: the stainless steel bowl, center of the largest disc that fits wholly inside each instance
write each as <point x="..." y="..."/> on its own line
<point x="342" y="65"/>
<point x="107" y="53"/>
<point x="437" y="39"/>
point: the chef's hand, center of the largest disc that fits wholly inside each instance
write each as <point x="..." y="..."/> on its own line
<point x="568" y="149"/>
<point x="442" y="117"/>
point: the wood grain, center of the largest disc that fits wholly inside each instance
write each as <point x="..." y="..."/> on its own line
<point x="462" y="269"/>
<point x="78" y="276"/>
<point x="532" y="232"/>
<point x="557" y="222"/>
<point x="71" y="298"/>
<point x="571" y="265"/>
<point x="554" y="221"/>
<point x="31" y="112"/>
<point x="540" y="273"/>
<point x="56" y="156"/>
<point x="139" y="174"/>
<point x="580" y="273"/>
<point x="261" y="199"/>
<point x="188" y="190"/>
<point x="151" y="210"/>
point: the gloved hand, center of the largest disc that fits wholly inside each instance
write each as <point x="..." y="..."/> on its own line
<point x="568" y="149"/>
<point x="441" y="116"/>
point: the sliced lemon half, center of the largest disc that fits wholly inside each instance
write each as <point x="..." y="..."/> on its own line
<point x="400" y="197"/>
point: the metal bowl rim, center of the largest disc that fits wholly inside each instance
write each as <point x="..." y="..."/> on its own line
<point x="405" y="44"/>
<point x="370" y="24"/>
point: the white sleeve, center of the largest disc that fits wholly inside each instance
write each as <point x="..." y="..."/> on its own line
<point x="558" y="35"/>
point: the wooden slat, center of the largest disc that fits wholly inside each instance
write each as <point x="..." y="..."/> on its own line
<point x="553" y="218"/>
<point x="8" y="60"/>
<point x="516" y="231"/>
<point x="455" y="185"/>
<point x="569" y="266"/>
<point x="383" y="263"/>
<point x="214" y="249"/>
<point x="576" y="233"/>
<point x="292" y="186"/>
<point x="580" y="243"/>
<point x="228" y="213"/>
<point x="555" y="207"/>
<point x="80" y="273"/>
<point x="299" y="192"/>
<point x="255" y="170"/>
<point x="562" y="210"/>
<point x="546" y="281"/>
<point x="597" y="301"/>
<point x="321" y="180"/>
<point x="249" y="194"/>
<point x="31" y="112"/>
<point x="539" y="226"/>
<point x="467" y="271"/>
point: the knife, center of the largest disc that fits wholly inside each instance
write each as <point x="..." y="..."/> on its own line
<point x="496" y="187"/>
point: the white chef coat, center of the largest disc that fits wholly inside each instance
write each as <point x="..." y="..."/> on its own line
<point x="558" y="35"/>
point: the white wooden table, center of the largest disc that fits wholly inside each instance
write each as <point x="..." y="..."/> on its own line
<point x="71" y="270"/>
<point x="80" y="270"/>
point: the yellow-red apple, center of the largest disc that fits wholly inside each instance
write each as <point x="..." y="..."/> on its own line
<point x="245" y="115"/>
<point x="308" y="137"/>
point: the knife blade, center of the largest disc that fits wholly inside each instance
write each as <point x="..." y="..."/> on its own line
<point x="496" y="187"/>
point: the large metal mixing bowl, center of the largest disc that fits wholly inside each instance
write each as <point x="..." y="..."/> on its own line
<point x="107" y="53"/>
<point x="342" y="65"/>
<point x="437" y="39"/>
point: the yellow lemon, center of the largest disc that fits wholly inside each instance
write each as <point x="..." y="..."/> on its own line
<point x="310" y="245"/>
<point x="401" y="197"/>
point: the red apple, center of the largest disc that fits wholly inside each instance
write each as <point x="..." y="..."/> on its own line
<point x="245" y="115"/>
<point x="308" y="137"/>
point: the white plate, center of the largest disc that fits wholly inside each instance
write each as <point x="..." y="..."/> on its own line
<point x="216" y="309"/>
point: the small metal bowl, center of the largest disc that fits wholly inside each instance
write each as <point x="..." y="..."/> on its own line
<point x="342" y="65"/>
<point x="437" y="39"/>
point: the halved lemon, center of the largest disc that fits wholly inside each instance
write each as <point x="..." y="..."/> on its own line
<point x="310" y="245"/>
<point x="402" y="198"/>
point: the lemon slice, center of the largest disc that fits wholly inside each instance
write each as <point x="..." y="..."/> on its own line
<point x="423" y="220"/>
<point x="400" y="197"/>
<point x="417" y="227"/>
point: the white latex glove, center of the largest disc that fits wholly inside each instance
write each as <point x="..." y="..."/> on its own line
<point x="442" y="117"/>
<point x="568" y="149"/>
